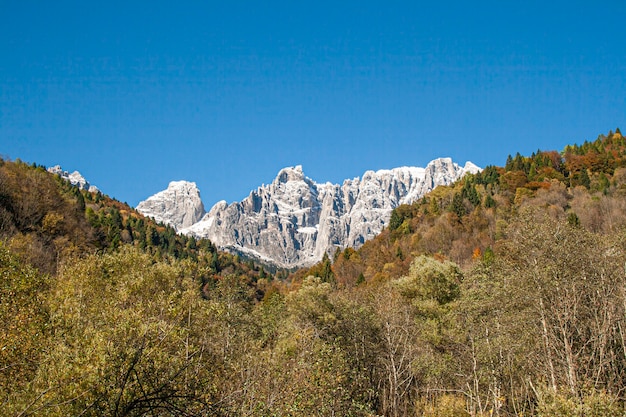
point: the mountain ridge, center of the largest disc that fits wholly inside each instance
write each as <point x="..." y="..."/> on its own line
<point x="294" y="221"/>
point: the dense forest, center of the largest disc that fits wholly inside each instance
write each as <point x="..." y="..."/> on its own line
<point x="501" y="295"/>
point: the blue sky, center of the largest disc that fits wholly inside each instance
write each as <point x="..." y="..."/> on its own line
<point x="135" y="94"/>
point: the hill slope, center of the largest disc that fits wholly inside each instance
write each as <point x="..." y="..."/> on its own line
<point x="500" y="294"/>
<point x="47" y="220"/>
<point x="584" y="184"/>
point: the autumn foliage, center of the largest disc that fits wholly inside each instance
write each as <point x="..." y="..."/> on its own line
<point x="500" y="295"/>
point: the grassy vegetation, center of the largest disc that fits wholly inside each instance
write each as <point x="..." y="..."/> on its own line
<point x="501" y="295"/>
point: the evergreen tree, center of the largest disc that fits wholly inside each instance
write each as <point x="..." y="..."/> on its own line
<point x="214" y="265"/>
<point x="583" y="179"/>
<point x="508" y="166"/>
<point x="457" y="206"/>
<point x="489" y="201"/>
<point x="395" y="220"/>
<point x="326" y="271"/>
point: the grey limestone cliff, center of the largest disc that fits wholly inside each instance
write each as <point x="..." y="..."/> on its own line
<point x="179" y="205"/>
<point x="293" y="221"/>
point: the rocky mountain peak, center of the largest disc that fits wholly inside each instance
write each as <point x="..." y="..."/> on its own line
<point x="289" y="174"/>
<point x="179" y="205"/>
<point x="293" y="221"/>
<point x="75" y="178"/>
<point x="471" y="168"/>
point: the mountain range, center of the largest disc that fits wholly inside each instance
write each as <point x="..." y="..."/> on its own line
<point x="294" y="221"/>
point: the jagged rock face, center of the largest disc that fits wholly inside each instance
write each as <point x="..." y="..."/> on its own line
<point x="179" y="205"/>
<point x="293" y="221"/>
<point x="75" y="178"/>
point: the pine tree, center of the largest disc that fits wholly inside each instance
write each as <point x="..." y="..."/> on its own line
<point x="457" y="206"/>
<point x="583" y="178"/>
<point x="326" y="271"/>
<point x="489" y="201"/>
<point x="395" y="220"/>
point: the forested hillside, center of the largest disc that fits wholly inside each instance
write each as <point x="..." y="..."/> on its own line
<point x="45" y="220"/>
<point x="502" y="295"/>
<point x="583" y="185"/>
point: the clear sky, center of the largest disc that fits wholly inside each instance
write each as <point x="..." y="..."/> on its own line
<point x="134" y="94"/>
